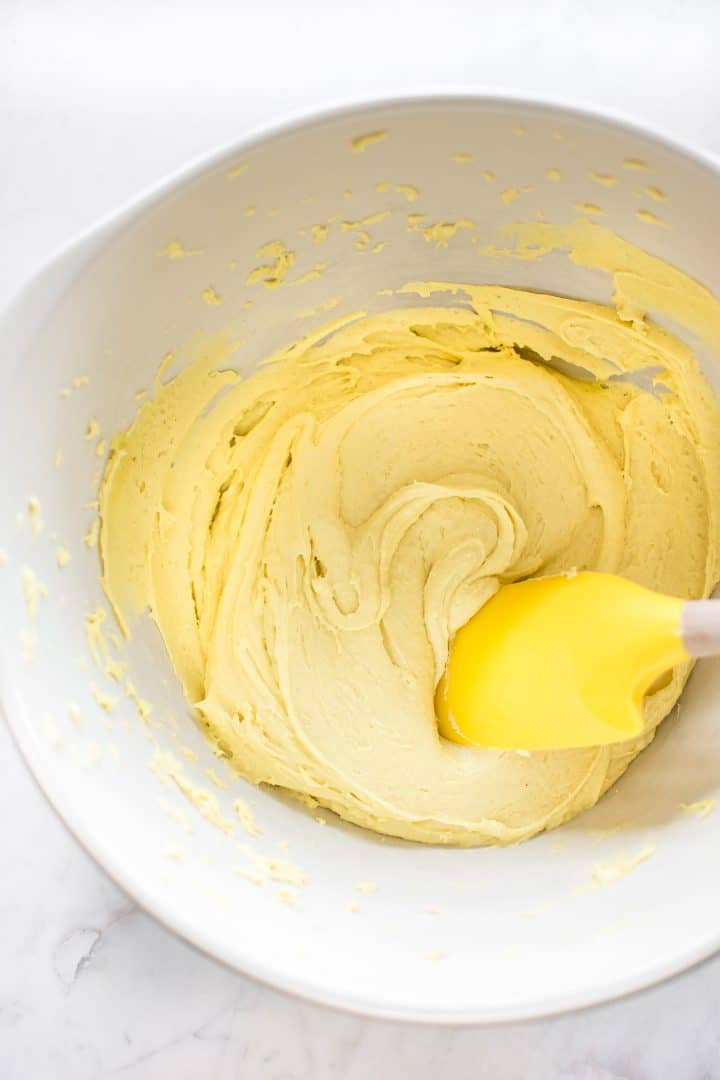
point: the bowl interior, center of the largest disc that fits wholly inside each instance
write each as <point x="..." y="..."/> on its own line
<point x="450" y="934"/>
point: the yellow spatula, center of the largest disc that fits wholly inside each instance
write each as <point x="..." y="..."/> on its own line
<point x="560" y="662"/>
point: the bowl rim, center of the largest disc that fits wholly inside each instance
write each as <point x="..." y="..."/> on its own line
<point x="307" y="988"/>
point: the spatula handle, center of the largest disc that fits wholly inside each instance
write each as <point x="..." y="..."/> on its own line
<point x="700" y="627"/>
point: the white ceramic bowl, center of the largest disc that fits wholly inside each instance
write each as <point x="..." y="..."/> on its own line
<point x="519" y="934"/>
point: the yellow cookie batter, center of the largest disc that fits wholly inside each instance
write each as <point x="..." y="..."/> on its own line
<point x="309" y="539"/>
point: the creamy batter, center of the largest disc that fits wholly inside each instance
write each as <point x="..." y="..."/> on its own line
<point x="308" y="539"/>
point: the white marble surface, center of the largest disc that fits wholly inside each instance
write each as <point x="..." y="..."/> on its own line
<point x="98" y="100"/>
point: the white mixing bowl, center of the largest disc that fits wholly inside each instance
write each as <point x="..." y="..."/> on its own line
<point x="517" y="932"/>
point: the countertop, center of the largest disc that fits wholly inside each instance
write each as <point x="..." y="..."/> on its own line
<point x="98" y="101"/>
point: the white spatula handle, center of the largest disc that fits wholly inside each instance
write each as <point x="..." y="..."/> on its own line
<point x="700" y="627"/>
